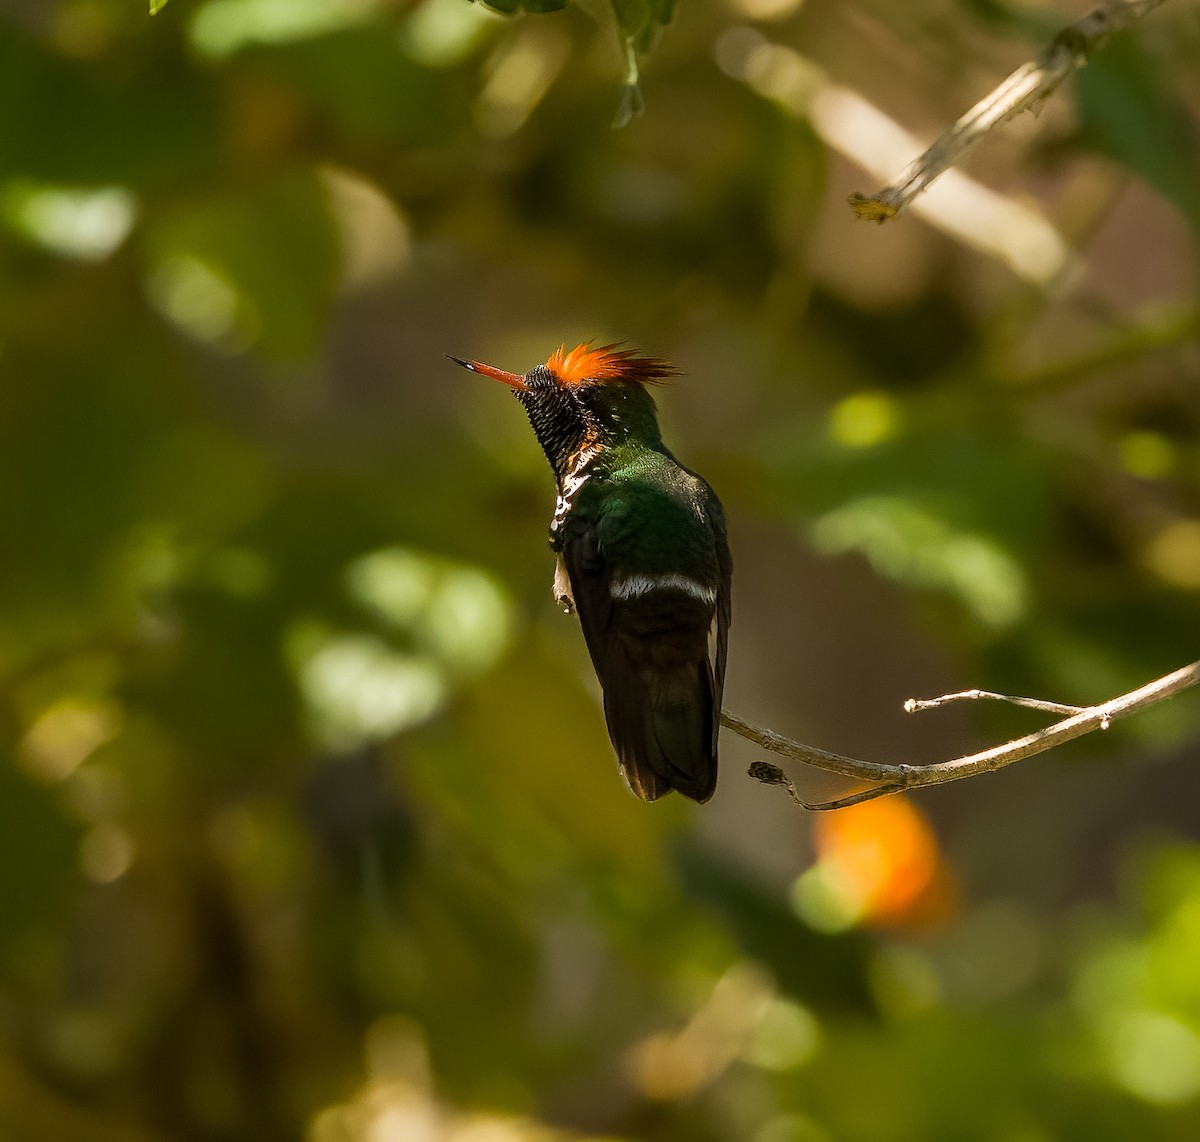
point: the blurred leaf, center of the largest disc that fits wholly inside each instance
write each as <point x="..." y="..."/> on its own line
<point x="824" y="972"/>
<point x="221" y="27"/>
<point x="254" y="267"/>
<point x="365" y="84"/>
<point x="1128" y="112"/>
<point x="157" y="6"/>
<point x="86" y="125"/>
<point x="906" y="543"/>
<point x="511" y="7"/>
<point x="642" y="21"/>
<point x="38" y="855"/>
<point x="88" y="223"/>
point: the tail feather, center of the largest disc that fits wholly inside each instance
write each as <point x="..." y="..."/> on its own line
<point x="663" y="746"/>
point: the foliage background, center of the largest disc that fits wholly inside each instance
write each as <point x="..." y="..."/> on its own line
<point x="308" y="822"/>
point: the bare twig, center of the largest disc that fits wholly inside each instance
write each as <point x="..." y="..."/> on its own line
<point x="895" y="777"/>
<point x="1026" y="88"/>
<point x="916" y="705"/>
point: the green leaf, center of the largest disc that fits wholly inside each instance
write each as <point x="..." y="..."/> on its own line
<point x="642" y="21"/>
<point x="512" y="7"/>
<point x="157" y="6"/>
<point x="827" y="972"/>
<point x="37" y="853"/>
<point x="252" y="268"/>
<point x="66" y="124"/>
<point x="370" y="89"/>
<point x="1129" y="113"/>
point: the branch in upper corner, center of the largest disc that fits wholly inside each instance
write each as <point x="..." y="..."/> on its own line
<point x="1026" y="88"/>
<point x="892" y="778"/>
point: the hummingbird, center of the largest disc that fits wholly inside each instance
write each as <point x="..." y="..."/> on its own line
<point x="641" y="557"/>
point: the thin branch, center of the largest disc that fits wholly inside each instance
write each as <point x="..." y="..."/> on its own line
<point x="893" y="778"/>
<point x="916" y="705"/>
<point x="1026" y="88"/>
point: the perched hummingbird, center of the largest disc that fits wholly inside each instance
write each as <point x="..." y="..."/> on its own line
<point x="642" y="557"/>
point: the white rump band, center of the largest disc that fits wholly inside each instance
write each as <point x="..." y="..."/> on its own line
<point x="636" y="585"/>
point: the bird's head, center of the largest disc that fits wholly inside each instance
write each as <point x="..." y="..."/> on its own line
<point x="586" y="398"/>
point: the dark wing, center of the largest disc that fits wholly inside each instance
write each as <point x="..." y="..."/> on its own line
<point x="719" y="640"/>
<point x="589" y="580"/>
<point x="661" y="684"/>
<point x="591" y="587"/>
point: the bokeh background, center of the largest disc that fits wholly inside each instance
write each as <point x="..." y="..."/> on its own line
<point x="309" y="826"/>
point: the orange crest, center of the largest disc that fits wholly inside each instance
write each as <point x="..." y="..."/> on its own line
<point x="607" y="363"/>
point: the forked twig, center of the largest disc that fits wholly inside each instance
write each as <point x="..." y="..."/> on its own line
<point x="893" y="778"/>
<point x="1026" y="88"/>
<point x="916" y="705"/>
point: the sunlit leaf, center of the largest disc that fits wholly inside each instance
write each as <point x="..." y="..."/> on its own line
<point x="219" y="28"/>
<point x="76" y="222"/>
<point x="905" y="542"/>
<point x="510" y="7"/>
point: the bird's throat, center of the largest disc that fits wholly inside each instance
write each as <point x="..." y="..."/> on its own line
<point x="563" y="431"/>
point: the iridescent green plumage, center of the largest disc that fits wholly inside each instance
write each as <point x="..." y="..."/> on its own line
<point x="643" y="559"/>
